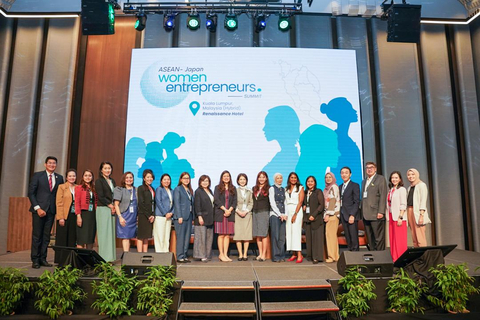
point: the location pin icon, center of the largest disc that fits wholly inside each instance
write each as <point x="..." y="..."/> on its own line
<point x="194" y="107"/>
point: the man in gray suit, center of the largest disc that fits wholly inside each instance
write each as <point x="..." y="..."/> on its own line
<point x="374" y="195"/>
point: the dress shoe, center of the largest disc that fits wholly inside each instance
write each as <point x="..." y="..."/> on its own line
<point x="240" y="259"/>
<point x="181" y="260"/>
<point x="44" y="263"/>
<point x="315" y="261"/>
<point x="300" y="260"/>
<point x="186" y="260"/>
<point x="35" y="265"/>
<point x="245" y="258"/>
<point x="329" y="260"/>
<point x="292" y="258"/>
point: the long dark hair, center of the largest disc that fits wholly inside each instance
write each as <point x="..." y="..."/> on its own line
<point x="221" y="184"/>
<point x="100" y="174"/>
<point x="314" y="180"/>
<point x="92" y="183"/>
<point x="297" y="185"/>
<point x="266" y="186"/>
<point x="400" y="184"/>
<point x="189" y="182"/>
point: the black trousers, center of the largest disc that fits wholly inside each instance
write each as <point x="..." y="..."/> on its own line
<point x="66" y="236"/>
<point x="41" y="229"/>
<point x="351" y="234"/>
<point x="375" y="230"/>
<point x="315" y="241"/>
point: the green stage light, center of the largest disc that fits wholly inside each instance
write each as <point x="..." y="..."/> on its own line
<point x="284" y="22"/>
<point x="231" y="22"/>
<point x="193" y="21"/>
<point x="141" y="22"/>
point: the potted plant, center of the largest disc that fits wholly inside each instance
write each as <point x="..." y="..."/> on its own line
<point x="13" y="286"/>
<point x="454" y="286"/>
<point x="404" y="293"/>
<point x="358" y="292"/>
<point x="58" y="292"/>
<point x="156" y="291"/>
<point x="113" y="291"/>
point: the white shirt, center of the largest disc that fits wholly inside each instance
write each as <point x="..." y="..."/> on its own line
<point x="367" y="183"/>
<point x="345" y="185"/>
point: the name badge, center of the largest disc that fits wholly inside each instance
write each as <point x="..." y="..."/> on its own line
<point x="365" y="194"/>
<point x="131" y="209"/>
<point x="90" y="207"/>
<point x="308" y="210"/>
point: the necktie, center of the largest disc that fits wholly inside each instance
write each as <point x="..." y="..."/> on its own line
<point x="50" y="182"/>
<point x="343" y="188"/>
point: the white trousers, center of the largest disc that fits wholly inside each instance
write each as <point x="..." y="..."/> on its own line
<point x="161" y="234"/>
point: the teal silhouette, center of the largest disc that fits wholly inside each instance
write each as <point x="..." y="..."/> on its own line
<point x="134" y="150"/>
<point x="318" y="151"/>
<point x="172" y="165"/>
<point x="341" y="111"/>
<point x="282" y="124"/>
<point x="153" y="162"/>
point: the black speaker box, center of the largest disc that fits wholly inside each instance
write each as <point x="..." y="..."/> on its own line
<point x="136" y="263"/>
<point x="96" y="17"/>
<point x="404" y="23"/>
<point x="373" y="263"/>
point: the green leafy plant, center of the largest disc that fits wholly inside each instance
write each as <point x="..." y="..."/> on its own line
<point x="454" y="286"/>
<point x="404" y="293"/>
<point x="358" y="291"/>
<point x="58" y="292"/>
<point x="155" y="295"/>
<point x="13" y="286"/>
<point x="113" y="290"/>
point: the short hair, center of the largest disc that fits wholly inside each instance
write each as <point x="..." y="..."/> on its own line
<point x="314" y="180"/>
<point x="371" y="163"/>
<point x="400" y="184"/>
<point x="51" y="158"/>
<point x="145" y="172"/>
<point x="349" y="170"/>
<point x="124" y="177"/>
<point x="70" y="170"/>
<point x="202" y="178"/>
<point x="101" y="167"/>
<point x="242" y="175"/>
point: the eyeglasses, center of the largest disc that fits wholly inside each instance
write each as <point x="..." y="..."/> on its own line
<point x="370" y="168"/>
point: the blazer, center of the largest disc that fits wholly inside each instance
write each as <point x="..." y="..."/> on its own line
<point x="376" y="199"/>
<point x="123" y="195"/>
<point x="420" y="195"/>
<point x="64" y="201"/>
<point x="162" y="202"/>
<point x="316" y="203"/>
<point x="220" y="201"/>
<point x="183" y="205"/>
<point x="398" y="202"/>
<point x="82" y="199"/>
<point x="146" y="202"/>
<point x="39" y="192"/>
<point x="104" y="193"/>
<point x="203" y="207"/>
<point x="350" y="201"/>
<point x="248" y="200"/>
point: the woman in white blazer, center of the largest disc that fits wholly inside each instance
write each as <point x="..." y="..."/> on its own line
<point x="417" y="208"/>
<point x="396" y="206"/>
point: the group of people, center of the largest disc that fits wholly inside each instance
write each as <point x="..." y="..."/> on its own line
<point x="103" y="209"/>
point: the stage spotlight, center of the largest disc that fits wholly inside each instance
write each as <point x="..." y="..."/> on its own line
<point x="211" y="22"/>
<point x="260" y="22"/>
<point x="169" y="21"/>
<point x="193" y="21"/>
<point x="231" y="22"/>
<point x="284" y="22"/>
<point x="141" y="22"/>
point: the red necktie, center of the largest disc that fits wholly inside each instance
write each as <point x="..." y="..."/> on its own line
<point x="50" y="182"/>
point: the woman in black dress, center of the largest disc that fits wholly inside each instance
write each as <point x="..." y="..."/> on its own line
<point x="146" y="211"/>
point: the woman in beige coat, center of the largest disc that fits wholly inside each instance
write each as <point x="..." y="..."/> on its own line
<point x="417" y="208"/>
<point x="243" y="217"/>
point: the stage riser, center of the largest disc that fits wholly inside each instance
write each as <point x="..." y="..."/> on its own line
<point x="218" y="296"/>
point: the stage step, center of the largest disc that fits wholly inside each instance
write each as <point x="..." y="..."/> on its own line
<point x="230" y="309"/>
<point x="298" y="307"/>
<point x="217" y="285"/>
<point x="294" y="284"/>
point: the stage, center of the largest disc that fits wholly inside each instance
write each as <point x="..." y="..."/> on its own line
<point x="245" y="285"/>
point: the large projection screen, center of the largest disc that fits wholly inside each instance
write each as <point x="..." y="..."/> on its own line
<point x="205" y="110"/>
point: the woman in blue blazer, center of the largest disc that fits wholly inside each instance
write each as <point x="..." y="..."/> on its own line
<point x="182" y="215"/>
<point x="163" y="214"/>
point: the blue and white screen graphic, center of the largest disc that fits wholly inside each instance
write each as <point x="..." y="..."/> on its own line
<point x="205" y="110"/>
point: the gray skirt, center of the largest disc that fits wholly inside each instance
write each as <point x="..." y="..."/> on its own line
<point x="260" y="223"/>
<point x="243" y="228"/>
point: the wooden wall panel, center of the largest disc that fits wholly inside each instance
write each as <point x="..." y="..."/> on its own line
<point x="105" y="97"/>
<point x="19" y="224"/>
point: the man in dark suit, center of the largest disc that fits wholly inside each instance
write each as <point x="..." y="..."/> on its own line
<point x="374" y="201"/>
<point x="349" y="208"/>
<point x="42" y="193"/>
